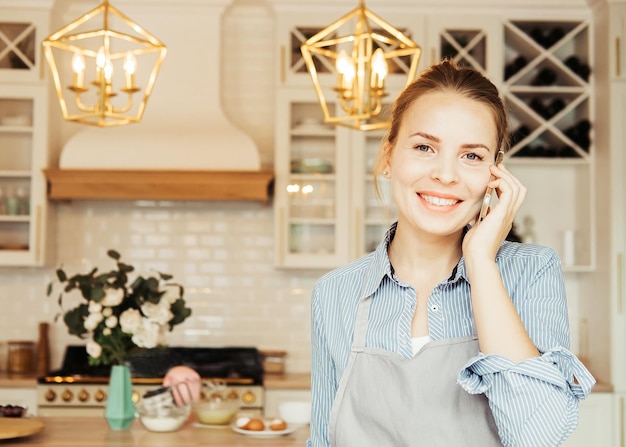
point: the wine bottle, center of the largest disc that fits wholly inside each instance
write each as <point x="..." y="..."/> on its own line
<point x="538" y="35"/>
<point x="545" y="77"/>
<point x="553" y="36"/>
<point x="555" y="106"/>
<point x="514" y="66"/>
<point x="538" y="106"/>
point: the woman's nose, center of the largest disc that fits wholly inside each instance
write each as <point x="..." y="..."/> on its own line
<point x="445" y="170"/>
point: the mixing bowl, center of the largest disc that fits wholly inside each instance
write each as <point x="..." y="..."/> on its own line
<point x="216" y="410"/>
<point x="163" y="419"/>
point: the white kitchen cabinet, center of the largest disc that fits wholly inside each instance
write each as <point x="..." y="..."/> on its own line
<point x="471" y="40"/>
<point x="595" y="422"/>
<point x="311" y="166"/>
<point x="326" y="210"/>
<point x="23" y="134"/>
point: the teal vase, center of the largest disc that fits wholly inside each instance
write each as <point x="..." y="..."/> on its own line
<point x="120" y="411"/>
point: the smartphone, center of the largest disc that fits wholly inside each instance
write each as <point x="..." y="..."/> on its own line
<point x="487" y="198"/>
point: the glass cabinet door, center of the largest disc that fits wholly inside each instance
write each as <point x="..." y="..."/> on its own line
<point x="20" y="114"/>
<point x="373" y="213"/>
<point x="20" y="34"/>
<point x="310" y="187"/>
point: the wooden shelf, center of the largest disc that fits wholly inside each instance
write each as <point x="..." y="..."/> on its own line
<point x="85" y="184"/>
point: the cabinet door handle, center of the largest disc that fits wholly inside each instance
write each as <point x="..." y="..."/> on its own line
<point x="283" y="63"/>
<point x="281" y="235"/>
<point x="618" y="57"/>
<point x="620" y="294"/>
<point x="621" y="421"/>
<point x="38" y="234"/>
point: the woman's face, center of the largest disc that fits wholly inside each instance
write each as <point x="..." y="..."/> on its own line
<point x="439" y="166"/>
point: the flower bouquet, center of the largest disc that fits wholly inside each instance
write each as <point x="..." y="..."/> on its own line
<point x="118" y="317"/>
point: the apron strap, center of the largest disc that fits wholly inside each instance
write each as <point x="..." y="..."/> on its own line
<point x="362" y="316"/>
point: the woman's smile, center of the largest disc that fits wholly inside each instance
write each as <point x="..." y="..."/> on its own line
<point x="438" y="201"/>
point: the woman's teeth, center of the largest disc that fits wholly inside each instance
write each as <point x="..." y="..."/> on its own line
<point x="439" y="201"/>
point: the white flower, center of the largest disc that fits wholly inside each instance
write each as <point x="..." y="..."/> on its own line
<point x="111" y="321"/>
<point x="94" y="307"/>
<point x="159" y="313"/>
<point x="112" y="297"/>
<point x="92" y="321"/>
<point x="107" y="311"/>
<point x="106" y="331"/>
<point x="94" y="349"/>
<point x="130" y="320"/>
<point x="169" y="296"/>
<point x="147" y="335"/>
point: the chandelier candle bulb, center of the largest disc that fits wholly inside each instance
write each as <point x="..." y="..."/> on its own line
<point x="130" y="66"/>
<point x="379" y="69"/>
<point x="78" y="67"/>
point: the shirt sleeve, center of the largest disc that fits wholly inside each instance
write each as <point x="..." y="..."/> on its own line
<point x="323" y="386"/>
<point x="536" y="397"/>
<point x="534" y="402"/>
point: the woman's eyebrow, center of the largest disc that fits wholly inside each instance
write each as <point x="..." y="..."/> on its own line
<point x="427" y="136"/>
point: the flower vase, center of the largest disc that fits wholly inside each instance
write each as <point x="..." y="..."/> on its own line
<point x="120" y="410"/>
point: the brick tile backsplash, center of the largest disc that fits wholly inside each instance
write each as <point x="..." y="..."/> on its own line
<point x="221" y="252"/>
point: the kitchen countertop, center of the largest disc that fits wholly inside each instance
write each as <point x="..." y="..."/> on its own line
<point x="94" y="432"/>
<point x="17" y="380"/>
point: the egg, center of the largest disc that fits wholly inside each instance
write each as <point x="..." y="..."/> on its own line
<point x="255" y="425"/>
<point x="278" y="424"/>
<point x="242" y="422"/>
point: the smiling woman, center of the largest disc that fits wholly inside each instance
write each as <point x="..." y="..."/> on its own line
<point x="445" y="319"/>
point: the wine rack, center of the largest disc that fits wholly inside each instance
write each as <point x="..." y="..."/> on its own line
<point x="547" y="90"/>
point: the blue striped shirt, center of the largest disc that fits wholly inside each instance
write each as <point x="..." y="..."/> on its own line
<point x="534" y="403"/>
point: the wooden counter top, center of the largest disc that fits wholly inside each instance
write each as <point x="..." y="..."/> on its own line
<point x="17" y="380"/>
<point x="94" y="432"/>
<point x="287" y="381"/>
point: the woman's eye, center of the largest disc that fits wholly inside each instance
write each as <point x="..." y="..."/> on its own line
<point x="473" y="157"/>
<point x="422" y="147"/>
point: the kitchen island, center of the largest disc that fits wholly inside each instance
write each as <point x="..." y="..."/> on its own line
<point x="94" y="432"/>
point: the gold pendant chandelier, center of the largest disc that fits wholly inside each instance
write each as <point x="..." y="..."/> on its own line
<point x="114" y="64"/>
<point x="361" y="61"/>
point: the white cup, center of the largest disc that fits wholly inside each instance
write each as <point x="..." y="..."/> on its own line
<point x="295" y="412"/>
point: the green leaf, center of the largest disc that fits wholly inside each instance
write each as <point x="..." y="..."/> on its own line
<point x="125" y="267"/>
<point x="49" y="289"/>
<point x="113" y="254"/>
<point x="96" y="293"/>
<point x="181" y="313"/>
<point x="152" y="284"/>
<point x="74" y="320"/>
<point x="165" y="276"/>
<point x="61" y="275"/>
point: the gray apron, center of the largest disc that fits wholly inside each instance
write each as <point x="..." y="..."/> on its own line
<point x="384" y="400"/>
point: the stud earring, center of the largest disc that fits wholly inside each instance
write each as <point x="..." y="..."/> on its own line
<point x="385" y="173"/>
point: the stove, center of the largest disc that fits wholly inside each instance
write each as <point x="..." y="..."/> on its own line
<point x="80" y="389"/>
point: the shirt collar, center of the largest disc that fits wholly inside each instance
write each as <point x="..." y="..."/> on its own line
<point x="380" y="265"/>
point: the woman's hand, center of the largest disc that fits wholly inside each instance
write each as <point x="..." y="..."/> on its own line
<point x="179" y="375"/>
<point x="483" y="239"/>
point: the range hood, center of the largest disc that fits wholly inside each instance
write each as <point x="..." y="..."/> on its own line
<point x="185" y="148"/>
